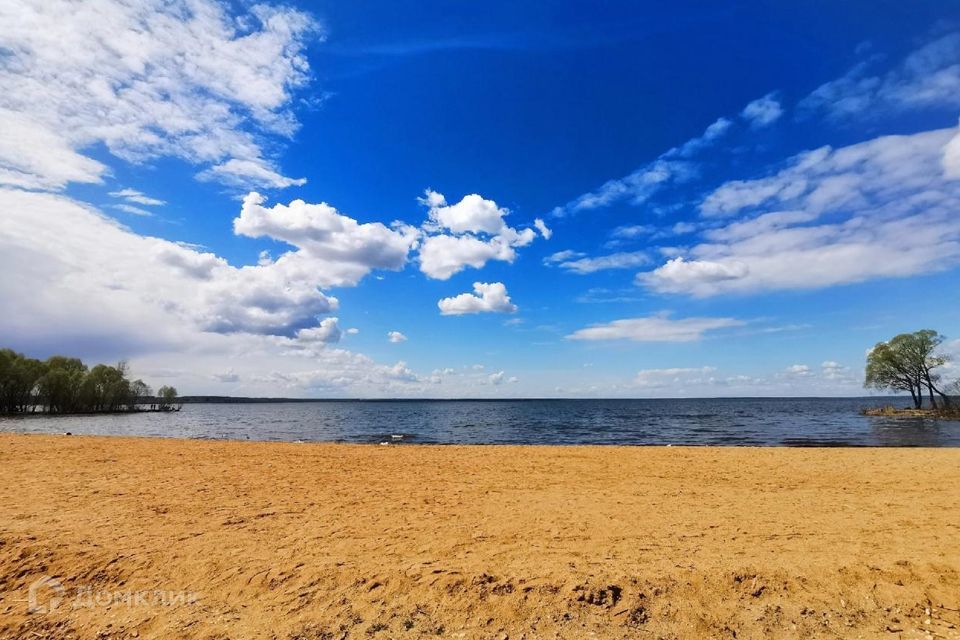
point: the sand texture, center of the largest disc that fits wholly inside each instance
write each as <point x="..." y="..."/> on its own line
<point x="156" y="538"/>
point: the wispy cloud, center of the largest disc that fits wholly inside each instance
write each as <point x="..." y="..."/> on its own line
<point x="670" y="167"/>
<point x="603" y="295"/>
<point x="556" y="39"/>
<point x="132" y="210"/>
<point x="574" y="263"/>
<point x="655" y="328"/>
<point x="927" y="78"/>
<point x="178" y="79"/>
<point x="762" y="111"/>
<point x="673" y="376"/>
<point x="137" y="197"/>
<point x="676" y="166"/>
<point x="881" y="208"/>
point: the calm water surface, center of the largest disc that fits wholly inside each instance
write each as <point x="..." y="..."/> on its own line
<point x="767" y="421"/>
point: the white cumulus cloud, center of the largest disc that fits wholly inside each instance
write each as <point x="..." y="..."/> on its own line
<point x="472" y="214"/>
<point x="468" y="233"/>
<point x="332" y="249"/>
<point x="486" y="298"/>
<point x="95" y="266"/>
<point x="500" y="377"/>
<point x="679" y="275"/>
<point x="327" y="332"/>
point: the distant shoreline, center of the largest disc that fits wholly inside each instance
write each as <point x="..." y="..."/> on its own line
<point x="68" y="414"/>
<point x="257" y="400"/>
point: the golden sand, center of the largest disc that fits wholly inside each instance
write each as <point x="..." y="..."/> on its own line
<point x="156" y="538"/>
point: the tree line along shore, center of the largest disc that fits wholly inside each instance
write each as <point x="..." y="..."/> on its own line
<point x="64" y="385"/>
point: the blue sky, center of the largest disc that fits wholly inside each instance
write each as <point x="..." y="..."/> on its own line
<point x="452" y="199"/>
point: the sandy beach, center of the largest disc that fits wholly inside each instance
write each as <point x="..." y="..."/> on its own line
<point x="156" y="538"/>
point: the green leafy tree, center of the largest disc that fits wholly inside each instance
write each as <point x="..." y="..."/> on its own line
<point x="18" y="381"/>
<point x="105" y="388"/>
<point x="7" y="357"/>
<point x="65" y="385"/>
<point x="907" y="363"/>
<point x="887" y="371"/>
<point x="138" y="391"/>
<point x="59" y="387"/>
<point x="167" y="396"/>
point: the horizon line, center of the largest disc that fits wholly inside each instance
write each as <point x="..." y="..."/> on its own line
<point x="228" y="399"/>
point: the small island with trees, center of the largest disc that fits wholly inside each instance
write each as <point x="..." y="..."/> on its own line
<point x="908" y="363"/>
<point x="61" y="385"/>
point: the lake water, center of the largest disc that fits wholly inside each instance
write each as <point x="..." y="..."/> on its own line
<point x="733" y="421"/>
